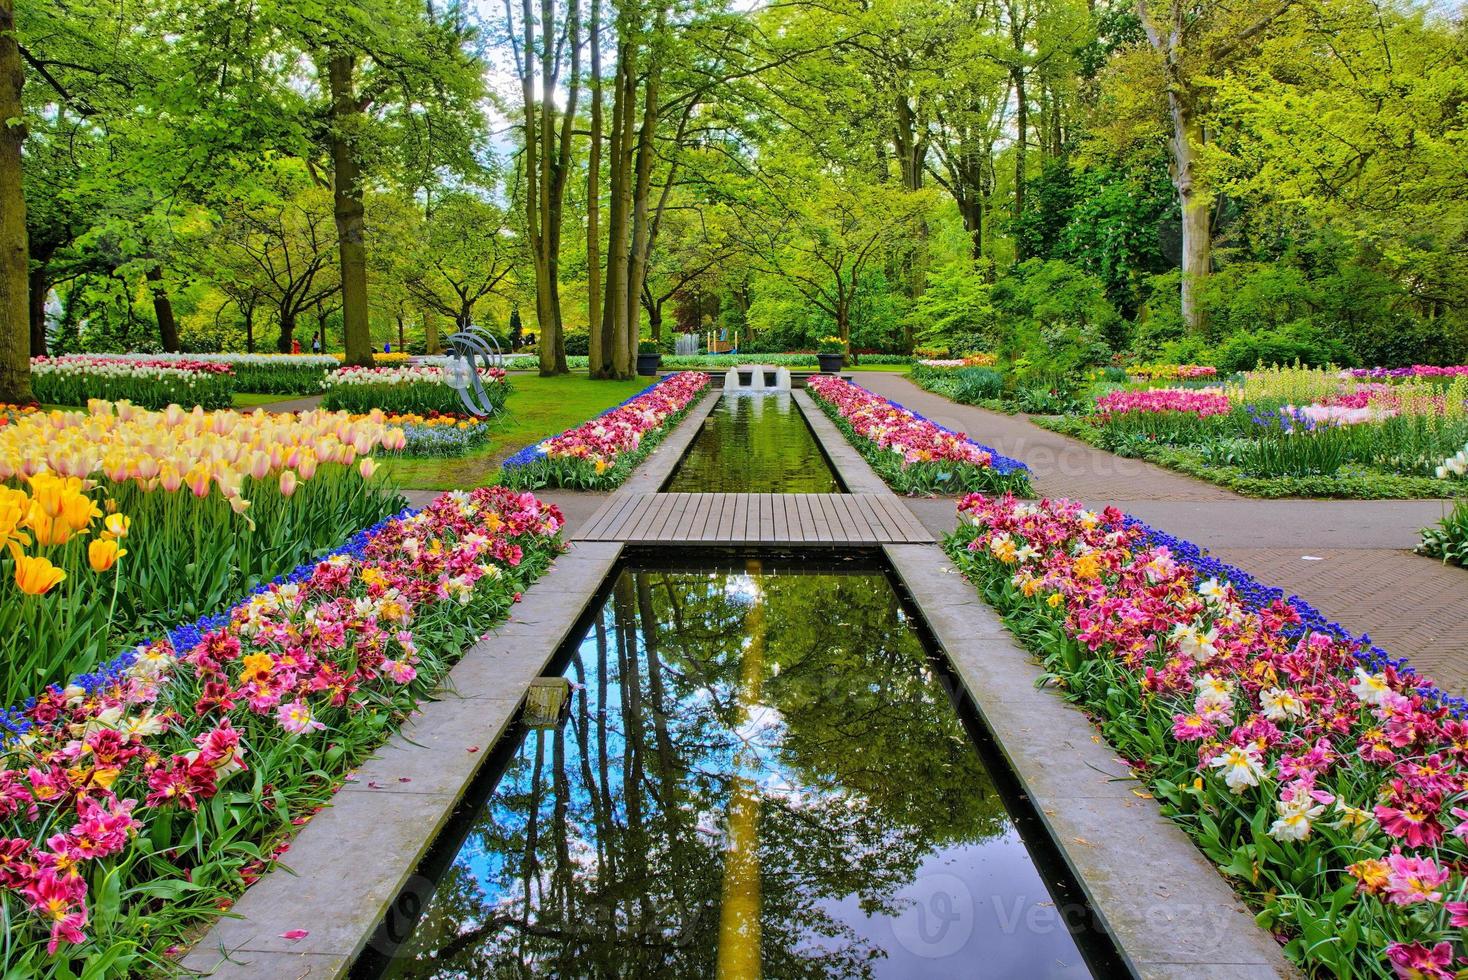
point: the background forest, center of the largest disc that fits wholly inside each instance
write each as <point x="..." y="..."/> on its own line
<point x="1063" y="183"/>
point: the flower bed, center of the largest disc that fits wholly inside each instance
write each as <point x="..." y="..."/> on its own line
<point x="138" y="800"/>
<point x="1294" y="424"/>
<point x="1169" y="415"/>
<point x="120" y="520"/>
<point x="379" y="358"/>
<point x="914" y="455"/>
<point x="1415" y="371"/>
<point x="418" y="390"/>
<point x="270" y="374"/>
<point x="721" y="362"/>
<point x="601" y="453"/>
<point x="1324" y="779"/>
<point x="1171" y="372"/>
<point x="1202" y="403"/>
<point x="436" y="435"/>
<point x="147" y="381"/>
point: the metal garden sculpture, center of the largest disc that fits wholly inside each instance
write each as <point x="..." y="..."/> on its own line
<point x="470" y="351"/>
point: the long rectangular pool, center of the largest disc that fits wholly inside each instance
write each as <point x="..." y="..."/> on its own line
<point x="754" y="442"/>
<point x="763" y="770"/>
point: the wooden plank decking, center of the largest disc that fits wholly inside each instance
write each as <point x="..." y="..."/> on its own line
<point x="755" y="518"/>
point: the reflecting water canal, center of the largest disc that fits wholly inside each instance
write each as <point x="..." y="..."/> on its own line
<point x="754" y="442"/>
<point x="760" y="773"/>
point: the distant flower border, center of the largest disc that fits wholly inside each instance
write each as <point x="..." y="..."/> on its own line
<point x="600" y="453"/>
<point x="955" y="463"/>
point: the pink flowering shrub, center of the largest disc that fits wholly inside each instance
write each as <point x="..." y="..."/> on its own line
<point x="1326" y="782"/>
<point x="599" y="454"/>
<point x="137" y="800"/>
<point x="911" y="453"/>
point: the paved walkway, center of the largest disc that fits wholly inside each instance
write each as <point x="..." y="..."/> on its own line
<point x="305" y="404"/>
<point x="1352" y="559"/>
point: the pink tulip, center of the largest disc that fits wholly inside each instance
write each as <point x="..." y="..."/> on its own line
<point x="287" y="483"/>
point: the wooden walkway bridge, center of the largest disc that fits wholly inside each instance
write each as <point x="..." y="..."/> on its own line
<point x="755" y="518"/>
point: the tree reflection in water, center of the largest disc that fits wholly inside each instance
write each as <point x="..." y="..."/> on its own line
<point x="602" y="851"/>
<point x="754" y="442"/>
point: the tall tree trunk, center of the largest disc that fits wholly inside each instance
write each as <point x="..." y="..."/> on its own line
<point x="1183" y="144"/>
<point x="972" y="210"/>
<point x="1021" y="126"/>
<point x="655" y="319"/>
<point x="597" y="347"/>
<point x="642" y="188"/>
<point x="1197" y="212"/>
<point x="163" y="311"/>
<point x="402" y="335"/>
<point x="430" y="333"/>
<point x="39" y="290"/>
<point x="287" y="332"/>
<point x="248" y="313"/>
<point x="619" y="158"/>
<point x="15" y="341"/>
<point x="351" y="225"/>
<point x="559" y="166"/>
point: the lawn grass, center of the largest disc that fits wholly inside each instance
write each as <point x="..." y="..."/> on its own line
<point x="250" y="399"/>
<point x="892" y="368"/>
<point x="537" y="408"/>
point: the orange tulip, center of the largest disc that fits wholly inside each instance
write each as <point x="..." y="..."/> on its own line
<point x="35" y="575"/>
<point x="103" y="553"/>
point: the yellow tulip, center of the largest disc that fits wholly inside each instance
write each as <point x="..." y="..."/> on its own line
<point x="49" y="532"/>
<point x="117" y="526"/>
<point x="367" y="467"/>
<point x="103" y="553"/>
<point x="46" y="494"/>
<point x="198" y="480"/>
<point x="79" y="511"/>
<point x="35" y="575"/>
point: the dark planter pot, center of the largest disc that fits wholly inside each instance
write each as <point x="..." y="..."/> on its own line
<point x="647" y="364"/>
<point x="831" y="363"/>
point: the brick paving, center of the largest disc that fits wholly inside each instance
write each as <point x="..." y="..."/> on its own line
<point x="1351" y="559"/>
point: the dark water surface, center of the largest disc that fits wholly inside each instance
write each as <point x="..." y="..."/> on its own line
<point x="761" y="773"/>
<point x="754" y="442"/>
